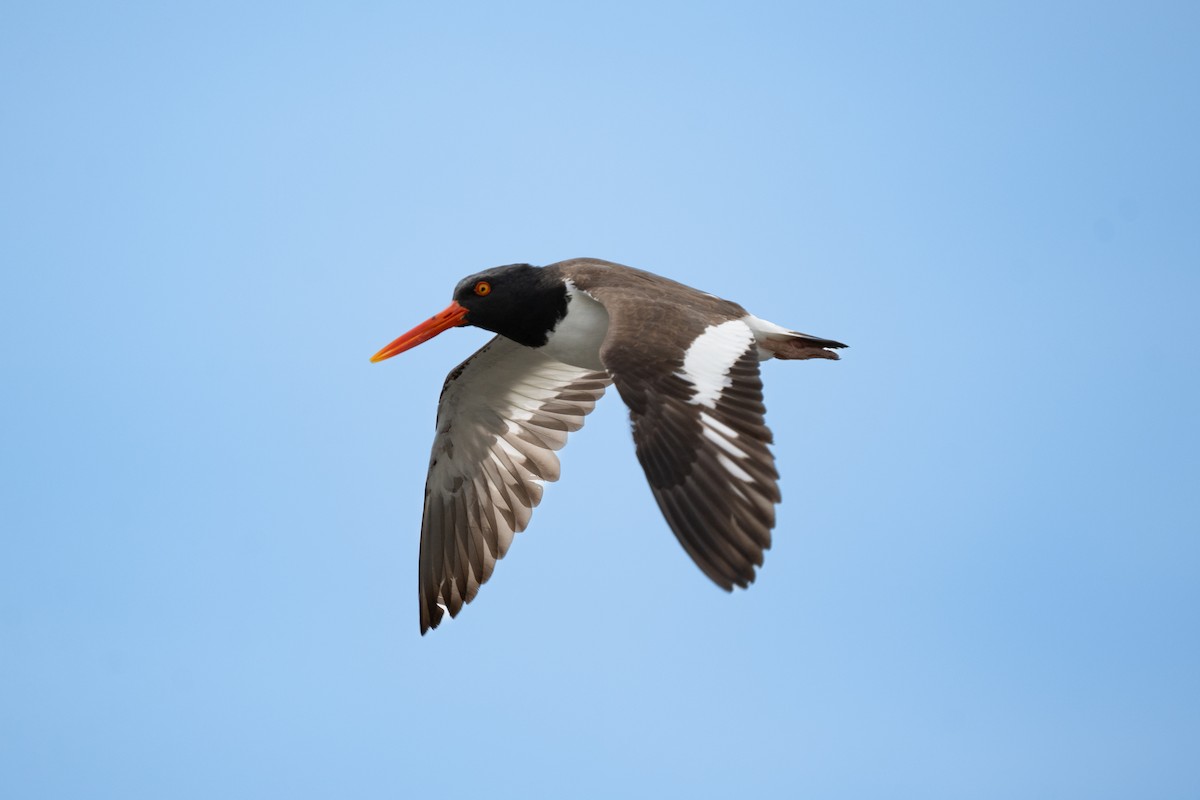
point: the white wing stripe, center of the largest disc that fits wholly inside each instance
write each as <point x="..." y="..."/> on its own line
<point x="711" y="356"/>
<point x="733" y="469"/>
<point x="722" y="443"/>
<point x="717" y="425"/>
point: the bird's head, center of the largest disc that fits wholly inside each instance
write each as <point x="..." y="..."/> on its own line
<point x="519" y="301"/>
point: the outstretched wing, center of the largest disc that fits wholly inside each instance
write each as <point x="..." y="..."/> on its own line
<point x="502" y="414"/>
<point x="698" y="426"/>
<point x="687" y="367"/>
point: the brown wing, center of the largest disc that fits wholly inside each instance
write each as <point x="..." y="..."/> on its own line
<point x="695" y="401"/>
<point x="708" y="463"/>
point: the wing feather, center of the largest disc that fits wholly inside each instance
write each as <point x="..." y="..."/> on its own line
<point x="705" y="449"/>
<point x="502" y="414"/>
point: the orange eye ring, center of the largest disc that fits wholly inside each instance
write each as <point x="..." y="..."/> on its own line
<point x="483" y="288"/>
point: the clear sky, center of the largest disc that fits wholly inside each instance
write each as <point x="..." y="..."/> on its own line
<point x="984" y="581"/>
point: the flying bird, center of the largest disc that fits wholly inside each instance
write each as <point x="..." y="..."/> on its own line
<point x="686" y="365"/>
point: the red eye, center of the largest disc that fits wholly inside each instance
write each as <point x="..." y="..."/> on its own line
<point x="483" y="288"/>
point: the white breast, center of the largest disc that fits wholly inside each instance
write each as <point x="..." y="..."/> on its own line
<point x="577" y="338"/>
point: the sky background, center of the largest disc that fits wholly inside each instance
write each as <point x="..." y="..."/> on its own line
<point x="984" y="581"/>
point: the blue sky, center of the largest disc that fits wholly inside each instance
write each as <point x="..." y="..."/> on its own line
<point x="984" y="577"/>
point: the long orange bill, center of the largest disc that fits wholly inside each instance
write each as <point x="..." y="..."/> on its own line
<point x="452" y="317"/>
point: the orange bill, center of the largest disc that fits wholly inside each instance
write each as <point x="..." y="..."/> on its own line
<point x="452" y="317"/>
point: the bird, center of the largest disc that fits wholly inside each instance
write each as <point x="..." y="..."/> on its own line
<point x="686" y="364"/>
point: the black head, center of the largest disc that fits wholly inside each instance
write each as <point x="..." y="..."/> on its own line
<point x="519" y="301"/>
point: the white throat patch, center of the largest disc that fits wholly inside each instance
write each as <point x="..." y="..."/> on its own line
<point x="577" y="338"/>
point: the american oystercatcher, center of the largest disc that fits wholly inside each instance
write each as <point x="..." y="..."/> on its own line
<point x="686" y="364"/>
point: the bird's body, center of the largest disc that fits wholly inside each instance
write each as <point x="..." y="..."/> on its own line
<point x="686" y="365"/>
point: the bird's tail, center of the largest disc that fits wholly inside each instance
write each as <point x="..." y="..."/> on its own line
<point x="799" y="345"/>
<point x="779" y="342"/>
